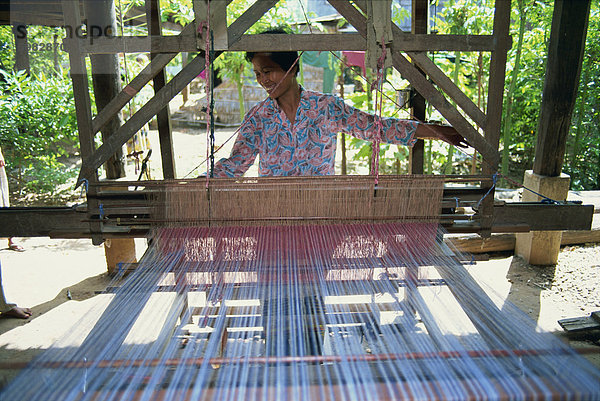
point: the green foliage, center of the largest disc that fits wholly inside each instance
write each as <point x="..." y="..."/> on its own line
<point x="38" y="129"/>
<point x="582" y="159"/>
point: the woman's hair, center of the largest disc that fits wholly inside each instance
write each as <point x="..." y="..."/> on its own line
<point x="283" y="59"/>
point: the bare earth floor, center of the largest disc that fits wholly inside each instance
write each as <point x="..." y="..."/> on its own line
<point x="59" y="280"/>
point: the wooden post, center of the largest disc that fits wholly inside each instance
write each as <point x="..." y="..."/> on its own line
<point x="343" y="135"/>
<point x="106" y="74"/>
<point x="21" y="51"/>
<point x="497" y="76"/>
<point x="83" y="108"/>
<point x="106" y="78"/>
<point x="563" y="68"/>
<point x="565" y="52"/>
<point x="420" y="22"/>
<point x="185" y="92"/>
<point x="163" y="118"/>
<point x="494" y="103"/>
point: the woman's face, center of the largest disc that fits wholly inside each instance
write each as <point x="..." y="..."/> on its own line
<point x="269" y="75"/>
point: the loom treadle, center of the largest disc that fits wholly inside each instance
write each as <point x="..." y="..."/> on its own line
<point x="581" y="324"/>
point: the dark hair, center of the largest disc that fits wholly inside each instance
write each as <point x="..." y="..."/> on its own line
<point x="283" y="59"/>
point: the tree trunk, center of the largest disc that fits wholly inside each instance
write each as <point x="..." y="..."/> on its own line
<point x="106" y="77"/>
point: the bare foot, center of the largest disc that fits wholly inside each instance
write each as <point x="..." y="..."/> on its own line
<point x="13" y="246"/>
<point x="21" y="313"/>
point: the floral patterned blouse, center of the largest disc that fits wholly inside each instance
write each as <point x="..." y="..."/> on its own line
<point x="308" y="146"/>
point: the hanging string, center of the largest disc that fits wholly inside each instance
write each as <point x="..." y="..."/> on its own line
<point x="207" y="87"/>
<point x="494" y="180"/>
<point x="124" y="54"/>
<point x="212" y="106"/>
<point x="378" y="107"/>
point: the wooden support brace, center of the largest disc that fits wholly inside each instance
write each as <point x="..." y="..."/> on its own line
<point x="437" y="75"/>
<point x="156" y="65"/>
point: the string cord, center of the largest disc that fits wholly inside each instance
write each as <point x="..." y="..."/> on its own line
<point x="378" y="115"/>
<point x="207" y="88"/>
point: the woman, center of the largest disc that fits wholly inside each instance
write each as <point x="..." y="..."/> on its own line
<point x="295" y="130"/>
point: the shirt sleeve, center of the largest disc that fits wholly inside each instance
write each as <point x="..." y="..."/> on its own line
<point x="362" y="125"/>
<point x="244" y="149"/>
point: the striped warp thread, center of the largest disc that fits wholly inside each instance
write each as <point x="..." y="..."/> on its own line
<point x="361" y="311"/>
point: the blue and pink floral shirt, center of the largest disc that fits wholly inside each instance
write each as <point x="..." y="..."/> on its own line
<point x="308" y="146"/>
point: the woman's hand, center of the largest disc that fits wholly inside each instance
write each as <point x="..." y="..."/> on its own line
<point x="444" y="133"/>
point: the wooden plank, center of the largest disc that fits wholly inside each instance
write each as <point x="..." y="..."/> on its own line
<point x="165" y="94"/>
<point x="316" y="42"/>
<point x="506" y="242"/>
<point x="163" y="117"/>
<point x="563" y="68"/>
<point x="40" y="222"/>
<point x="544" y="217"/>
<point x="476" y="244"/>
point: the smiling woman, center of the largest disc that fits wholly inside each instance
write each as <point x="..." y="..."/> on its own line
<point x="294" y="130"/>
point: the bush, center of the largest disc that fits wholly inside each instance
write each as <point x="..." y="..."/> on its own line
<point x="38" y="130"/>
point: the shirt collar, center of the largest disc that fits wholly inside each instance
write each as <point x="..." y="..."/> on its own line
<point x="272" y="105"/>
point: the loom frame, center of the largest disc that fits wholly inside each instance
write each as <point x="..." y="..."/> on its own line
<point x="71" y="223"/>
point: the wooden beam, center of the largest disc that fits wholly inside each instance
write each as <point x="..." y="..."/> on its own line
<point x="317" y="42"/>
<point x="543" y="217"/>
<point x="163" y="117"/>
<point x="493" y="121"/>
<point x="29" y="18"/>
<point x="563" y="68"/>
<point x="164" y="95"/>
<point x="40" y="222"/>
<point x="420" y="83"/>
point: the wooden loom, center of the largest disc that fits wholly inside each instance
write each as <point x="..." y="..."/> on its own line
<point x="463" y="204"/>
<point x="280" y="303"/>
<point x="119" y="209"/>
